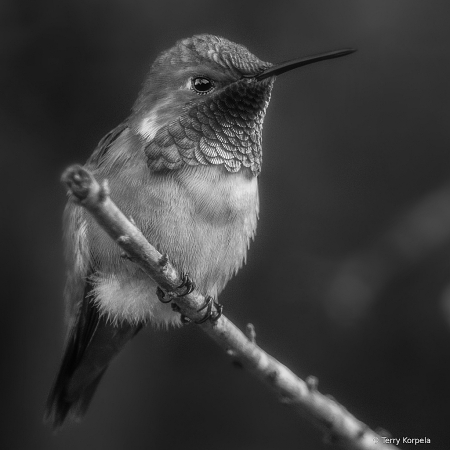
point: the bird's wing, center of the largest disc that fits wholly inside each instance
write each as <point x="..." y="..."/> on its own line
<point x="105" y="144"/>
<point x="92" y="341"/>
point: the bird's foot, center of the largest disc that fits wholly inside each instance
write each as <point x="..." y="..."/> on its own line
<point x="187" y="283"/>
<point x="162" y="296"/>
<point x="212" y="316"/>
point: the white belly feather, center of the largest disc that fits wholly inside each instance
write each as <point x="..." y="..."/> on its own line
<point x="204" y="219"/>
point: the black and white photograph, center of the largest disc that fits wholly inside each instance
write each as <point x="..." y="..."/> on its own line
<point x="226" y="225"/>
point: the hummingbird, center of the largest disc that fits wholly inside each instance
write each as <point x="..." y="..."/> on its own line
<point x="184" y="165"/>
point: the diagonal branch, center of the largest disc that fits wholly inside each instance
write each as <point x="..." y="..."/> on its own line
<point x="339" y="426"/>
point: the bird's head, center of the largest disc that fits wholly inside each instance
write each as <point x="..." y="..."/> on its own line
<point x="204" y="102"/>
<point x="194" y="69"/>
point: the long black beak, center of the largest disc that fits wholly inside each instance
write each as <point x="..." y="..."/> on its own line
<point x="278" y="69"/>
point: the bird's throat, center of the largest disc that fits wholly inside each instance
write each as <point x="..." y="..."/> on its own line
<point x="224" y="129"/>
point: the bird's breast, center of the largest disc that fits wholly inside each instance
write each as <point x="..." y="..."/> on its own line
<point x="210" y="222"/>
<point x="218" y="197"/>
<point x="203" y="217"/>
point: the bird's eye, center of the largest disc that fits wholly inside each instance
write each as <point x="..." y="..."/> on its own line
<point x="202" y="85"/>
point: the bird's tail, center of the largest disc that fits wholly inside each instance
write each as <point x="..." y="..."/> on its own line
<point x="92" y="344"/>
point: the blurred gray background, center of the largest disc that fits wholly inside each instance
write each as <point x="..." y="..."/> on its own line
<point x="349" y="277"/>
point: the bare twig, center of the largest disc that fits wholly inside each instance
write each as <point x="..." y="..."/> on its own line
<point x="340" y="427"/>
